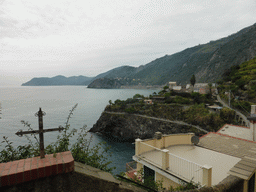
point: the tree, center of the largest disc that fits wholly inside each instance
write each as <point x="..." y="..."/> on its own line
<point x="228" y="115"/>
<point x="166" y="87"/>
<point x="193" y="80"/>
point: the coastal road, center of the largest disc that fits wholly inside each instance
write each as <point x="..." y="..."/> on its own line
<point x="158" y="119"/>
<point x="237" y="112"/>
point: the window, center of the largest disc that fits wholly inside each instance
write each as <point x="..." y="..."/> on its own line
<point x="149" y="174"/>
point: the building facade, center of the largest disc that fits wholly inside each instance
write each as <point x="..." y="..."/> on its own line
<point x="176" y="160"/>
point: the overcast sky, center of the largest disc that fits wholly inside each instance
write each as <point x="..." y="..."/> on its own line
<point x="45" y="38"/>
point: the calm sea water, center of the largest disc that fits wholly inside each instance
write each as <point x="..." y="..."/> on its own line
<point x="21" y="103"/>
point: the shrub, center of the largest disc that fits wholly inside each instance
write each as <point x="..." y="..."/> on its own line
<point x="181" y="100"/>
<point x="227" y="115"/>
<point x="148" y="182"/>
<point x="130" y="110"/>
<point x="95" y="156"/>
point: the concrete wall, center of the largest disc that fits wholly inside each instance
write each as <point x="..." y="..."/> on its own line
<point x="158" y="177"/>
<point x="177" y="139"/>
<point x="142" y="146"/>
<point x="139" y="166"/>
<point x="164" y="142"/>
<point x="84" y="178"/>
<point x="166" y="182"/>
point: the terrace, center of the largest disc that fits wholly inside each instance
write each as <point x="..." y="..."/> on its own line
<point x="176" y="158"/>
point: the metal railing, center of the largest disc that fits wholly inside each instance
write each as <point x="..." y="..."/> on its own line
<point x="131" y="166"/>
<point x="185" y="169"/>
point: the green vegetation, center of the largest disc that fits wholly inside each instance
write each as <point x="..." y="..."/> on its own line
<point x="199" y="115"/>
<point x="185" y="186"/>
<point x="207" y="61"/>
<point x="114" y="83"/>
<point x="193" y="80"/>
<point x="58" y="80"/>
<point x="186" y="107"/>
<point x="149" y="182"/>
<point x="240" y="80"/>
<point x="82" y="151"/>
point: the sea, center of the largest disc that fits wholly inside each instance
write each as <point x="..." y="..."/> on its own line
<point x="23" y="102"/>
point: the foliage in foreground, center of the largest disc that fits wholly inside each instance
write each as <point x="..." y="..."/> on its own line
<point x="82" y="151"/>
<point x="185" y="186"/>
<point x="148" y="181"/>
<point x="158" y="185"/>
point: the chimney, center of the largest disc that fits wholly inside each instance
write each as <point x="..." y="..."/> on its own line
<point x="252" y="119"/>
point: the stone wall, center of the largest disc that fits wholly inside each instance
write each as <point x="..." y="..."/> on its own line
<point x="84" y="178"/>
<point x="230" y="183"/>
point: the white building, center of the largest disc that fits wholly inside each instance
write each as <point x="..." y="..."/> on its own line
<point x="172" y="84"/>
<point x="228" y="153"/>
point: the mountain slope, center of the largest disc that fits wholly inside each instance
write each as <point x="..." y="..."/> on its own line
<point x="120" y="72"/>
<point x="241" y="81"/>
<point x="58" y="80"/>
<point x="207" y="61"/>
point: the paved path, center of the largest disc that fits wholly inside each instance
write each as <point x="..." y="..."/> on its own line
<point x="158" y="119"/>
<point x="237" y="112"/>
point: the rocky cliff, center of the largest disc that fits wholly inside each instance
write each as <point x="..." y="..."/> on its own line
<point x="129" y="127"/>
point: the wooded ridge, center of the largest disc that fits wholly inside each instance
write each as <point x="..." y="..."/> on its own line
<point x="207" y="62"/>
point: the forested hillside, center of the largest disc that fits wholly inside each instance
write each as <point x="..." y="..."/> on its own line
<point x="207" y="61"/>
<point x="58" y="80"/>
<point x="240" y="80"/>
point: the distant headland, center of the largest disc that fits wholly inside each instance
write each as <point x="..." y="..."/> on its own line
<point x="58" y="81"/>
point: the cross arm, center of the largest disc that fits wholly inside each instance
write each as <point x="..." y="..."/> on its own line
<point x="21" y="133"/>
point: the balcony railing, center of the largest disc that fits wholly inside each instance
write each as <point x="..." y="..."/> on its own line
<point x="186" y="169"/>
<point x="155" y="152"/>
<point x="131" y="169"/>
<point x="131" y="166"/>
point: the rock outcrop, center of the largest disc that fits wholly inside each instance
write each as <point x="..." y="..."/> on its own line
<point x="129" y="126"/>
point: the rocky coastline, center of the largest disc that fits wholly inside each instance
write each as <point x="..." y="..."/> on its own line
<point x="128" y="127"/>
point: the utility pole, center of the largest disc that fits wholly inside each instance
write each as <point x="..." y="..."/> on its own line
<point x="229" y="97"/>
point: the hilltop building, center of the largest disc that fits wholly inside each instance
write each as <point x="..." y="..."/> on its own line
<point x="177" y="88"/>
<point x="148" y="101"/>
<point x="201" y="88"/>
<point x="171" y="85"/>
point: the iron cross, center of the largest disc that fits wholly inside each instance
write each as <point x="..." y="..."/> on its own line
<point x="41" y="131"/>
